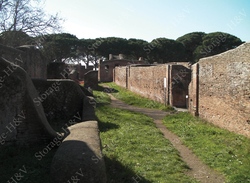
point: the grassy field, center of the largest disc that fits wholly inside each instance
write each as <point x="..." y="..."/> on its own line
<point x="134" y="99"/>
<point x="134" y="149"/>
<point x="222" y="150"/>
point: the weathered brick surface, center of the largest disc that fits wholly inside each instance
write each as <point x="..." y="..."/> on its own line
<point x="120" y="76"/>
<point x="148" y="81"/>
<point x="105" y="73"/>
<point x="224" y="89"/>
<point x="193" y="90"/>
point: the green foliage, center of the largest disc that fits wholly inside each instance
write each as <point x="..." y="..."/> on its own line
<point x="215" y="43"/>
<point x="112" y="45"/>
<point x="222" y="150"/>
<point x="191" y="41"/>
<point x="101" y="98"/>
<point x="199" y="45"/>
<point x="136" y="49"/>
<point x="15" y="38"/>
<point x="166" y="50"/>
<point x="134" y="149"/>
<point x="57" y="47"/>
<point x="190" y="47"/>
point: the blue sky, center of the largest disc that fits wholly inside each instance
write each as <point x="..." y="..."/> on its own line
<point x="150" y="19"/>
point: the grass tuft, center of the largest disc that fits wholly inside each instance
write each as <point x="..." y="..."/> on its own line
<point x="227" y="152"/>
<point x="135" y="150"/>
<point x="134" y="99"/>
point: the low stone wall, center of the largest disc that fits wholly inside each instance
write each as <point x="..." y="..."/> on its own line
<point x="29" y="58"/>
<point x="79" y="157"/>
<point x="60" y="70"/>
<point x="91" y="79"/>
<point x="61" y="98"/>
<point x="22" y="122"/>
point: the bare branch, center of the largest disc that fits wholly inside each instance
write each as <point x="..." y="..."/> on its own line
<point x="27" y="16"/>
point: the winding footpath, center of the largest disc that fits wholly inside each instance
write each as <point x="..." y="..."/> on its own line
<point x="198" y="169"/>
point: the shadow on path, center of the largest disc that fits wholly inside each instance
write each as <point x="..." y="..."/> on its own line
<point x="198" y="169"/>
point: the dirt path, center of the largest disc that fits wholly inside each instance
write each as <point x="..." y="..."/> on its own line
<point x="198" y="170"/>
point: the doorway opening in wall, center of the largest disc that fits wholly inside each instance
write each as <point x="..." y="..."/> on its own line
<point x="106" y="68"/>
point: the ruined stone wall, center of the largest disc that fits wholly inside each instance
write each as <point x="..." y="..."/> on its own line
<point x="21" y="121"/>
<point x="91" y="79"/>
<point x="32" y="112"/>
<point x="224" y="89"/>
<point x="29" y="58"/>
<point x="60" y="70"/>
<point x="61" y="99"/>
<point x="120" y="76"/>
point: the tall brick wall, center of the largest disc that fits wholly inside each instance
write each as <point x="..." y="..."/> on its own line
<point x="148" y="81"/>
<point x="193" y="90"/>
<point x="120" y="76"/>
<point x="224" y="89"/>
<point x="105" y="72"/>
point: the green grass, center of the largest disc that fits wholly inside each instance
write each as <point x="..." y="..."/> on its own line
<point x="222" y="150"/>
<point x="134" y="99"/>
<point x="101" y="98"/>
<point x="135" y="150"/>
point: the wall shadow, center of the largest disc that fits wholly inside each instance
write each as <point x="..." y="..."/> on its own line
<point x="78" y="158"/>
<point x="106" y="89"/>
<point x="117" y="172"/>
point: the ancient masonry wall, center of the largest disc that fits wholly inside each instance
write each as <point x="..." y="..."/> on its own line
<point x="29" y="58"/>
<point x="148" y="81"/>
<point x="120" y="76"/>
<point x="220" y="89"/>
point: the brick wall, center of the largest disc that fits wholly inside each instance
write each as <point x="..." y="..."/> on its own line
<point x="120" y="76"/>
<point x="148" y="81"/>
<point x="105" y="72"/>
<point x="193" y="90"/>
<point x="224" y="89"/>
